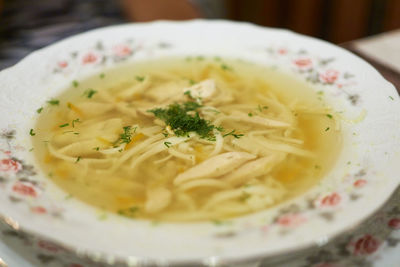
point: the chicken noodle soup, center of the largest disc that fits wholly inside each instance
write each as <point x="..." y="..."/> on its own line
<point x="187" y="140"/>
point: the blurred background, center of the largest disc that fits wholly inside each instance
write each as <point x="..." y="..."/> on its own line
<point x="334" y="20"/>
<point x="27" y="25"/>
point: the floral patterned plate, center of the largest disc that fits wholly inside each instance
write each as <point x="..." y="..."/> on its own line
<point x="363" y="178"/>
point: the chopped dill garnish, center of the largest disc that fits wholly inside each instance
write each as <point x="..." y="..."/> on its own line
<point x="217" y="222"/>
<point x="191" y="82"/>
<point x="75" y="121"/>
<point x="329" y="116"/>
<point x="30" y="150"/>
<point x="139" y="78"/>
<point x="327" y="129"/>
<point x="225" y="67"/>
<point x="167" y="144"/>
<point x="250" y="114"/>
<point x="221" y="223"/>
<point x="184" y="118"/>
<point x="129" y="212"/>
<point x="96" y="148"/>
<point x="53" y="102"/>
<point x="265" y="107"/>
<point x="259" y="108"/>
<point x="102" y="75"/>
<point x="188" y="94"/>
<point x="78" y="159"/>
<point x="244" y="196"/>
<point x="76" y="133"/>
<point x="75" y="83"/>
<point x="126" y="136"/>
<point x="391" y="97"/>
<point x="39" y="110"/>
<point x="64" y="125"/>
<point x="32" y="133"/>
<point x="89" y="93"/>
<point x="165" y="134"/>
<point x="219" y="128"/>
<point x="213" y="110"/>
<point x="237" y="136"/>
<point x="120" y="150"/>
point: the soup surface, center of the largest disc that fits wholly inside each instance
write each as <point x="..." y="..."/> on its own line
<point x="187" y="139"/>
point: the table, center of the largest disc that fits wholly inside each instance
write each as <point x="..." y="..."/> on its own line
<point x="375" y="243"/>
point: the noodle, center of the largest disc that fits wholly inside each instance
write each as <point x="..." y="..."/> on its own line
<point x="187" y="141"/>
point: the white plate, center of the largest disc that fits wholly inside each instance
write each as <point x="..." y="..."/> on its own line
<point x="361" y="181"/>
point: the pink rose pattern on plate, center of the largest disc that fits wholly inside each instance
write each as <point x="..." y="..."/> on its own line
<point x="317" y="70"/>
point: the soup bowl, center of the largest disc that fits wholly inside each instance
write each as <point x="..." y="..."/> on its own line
<point x="362" y="179"/>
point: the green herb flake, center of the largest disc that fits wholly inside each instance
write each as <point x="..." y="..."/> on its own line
<point x="327" y="129"/>
<point x="129" y="212"/>
<point x="120" y="150"/>
<point x="259" y="108"/>
<point x="75" y="83"/>
<point x="391" y="97"/>
<point x="244" y="196"/>
<point x="188" y="94"/>
<point x="96" y="148"/>
<point x="139" y="78"/>
<point x="126" y="136"/>
<point x="30" y="150"/>
<point x="89" y="93"/>
<point x="165" y="134"/>
<point x="155" y="223"/>
<point x="78" y="159"/>
<point x="102" y="75"/>
<point x="226" y="67"/>
<point x="192" y="82"/>
<point x="349" y="162"/>
<point x="63" y="125"/>
<point x="329" y="116"/>
<point x="76" y="133"/>
<point x="69" y="196"/>
<point x="265" y="107"/>
<point x="53" y="102"/>
<point x="75" y="121"/>
<point x="39" y="110"/>
<point x="220" y="222"/>
<point x="167" y="144"/>
<point x="102" y="217"/>
<point x="220" y="128"/>
<point x="250" y="114"/>
<point x="32" y="133"/>
<point x="318" y="167"/>
<point x="237" y="136"/>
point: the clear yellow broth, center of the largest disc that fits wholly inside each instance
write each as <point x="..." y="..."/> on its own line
<point x="80" y="138"/>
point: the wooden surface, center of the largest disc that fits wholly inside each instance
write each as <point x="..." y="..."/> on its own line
<point x="337" y="21"/>
<point x="390" y="74"/>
